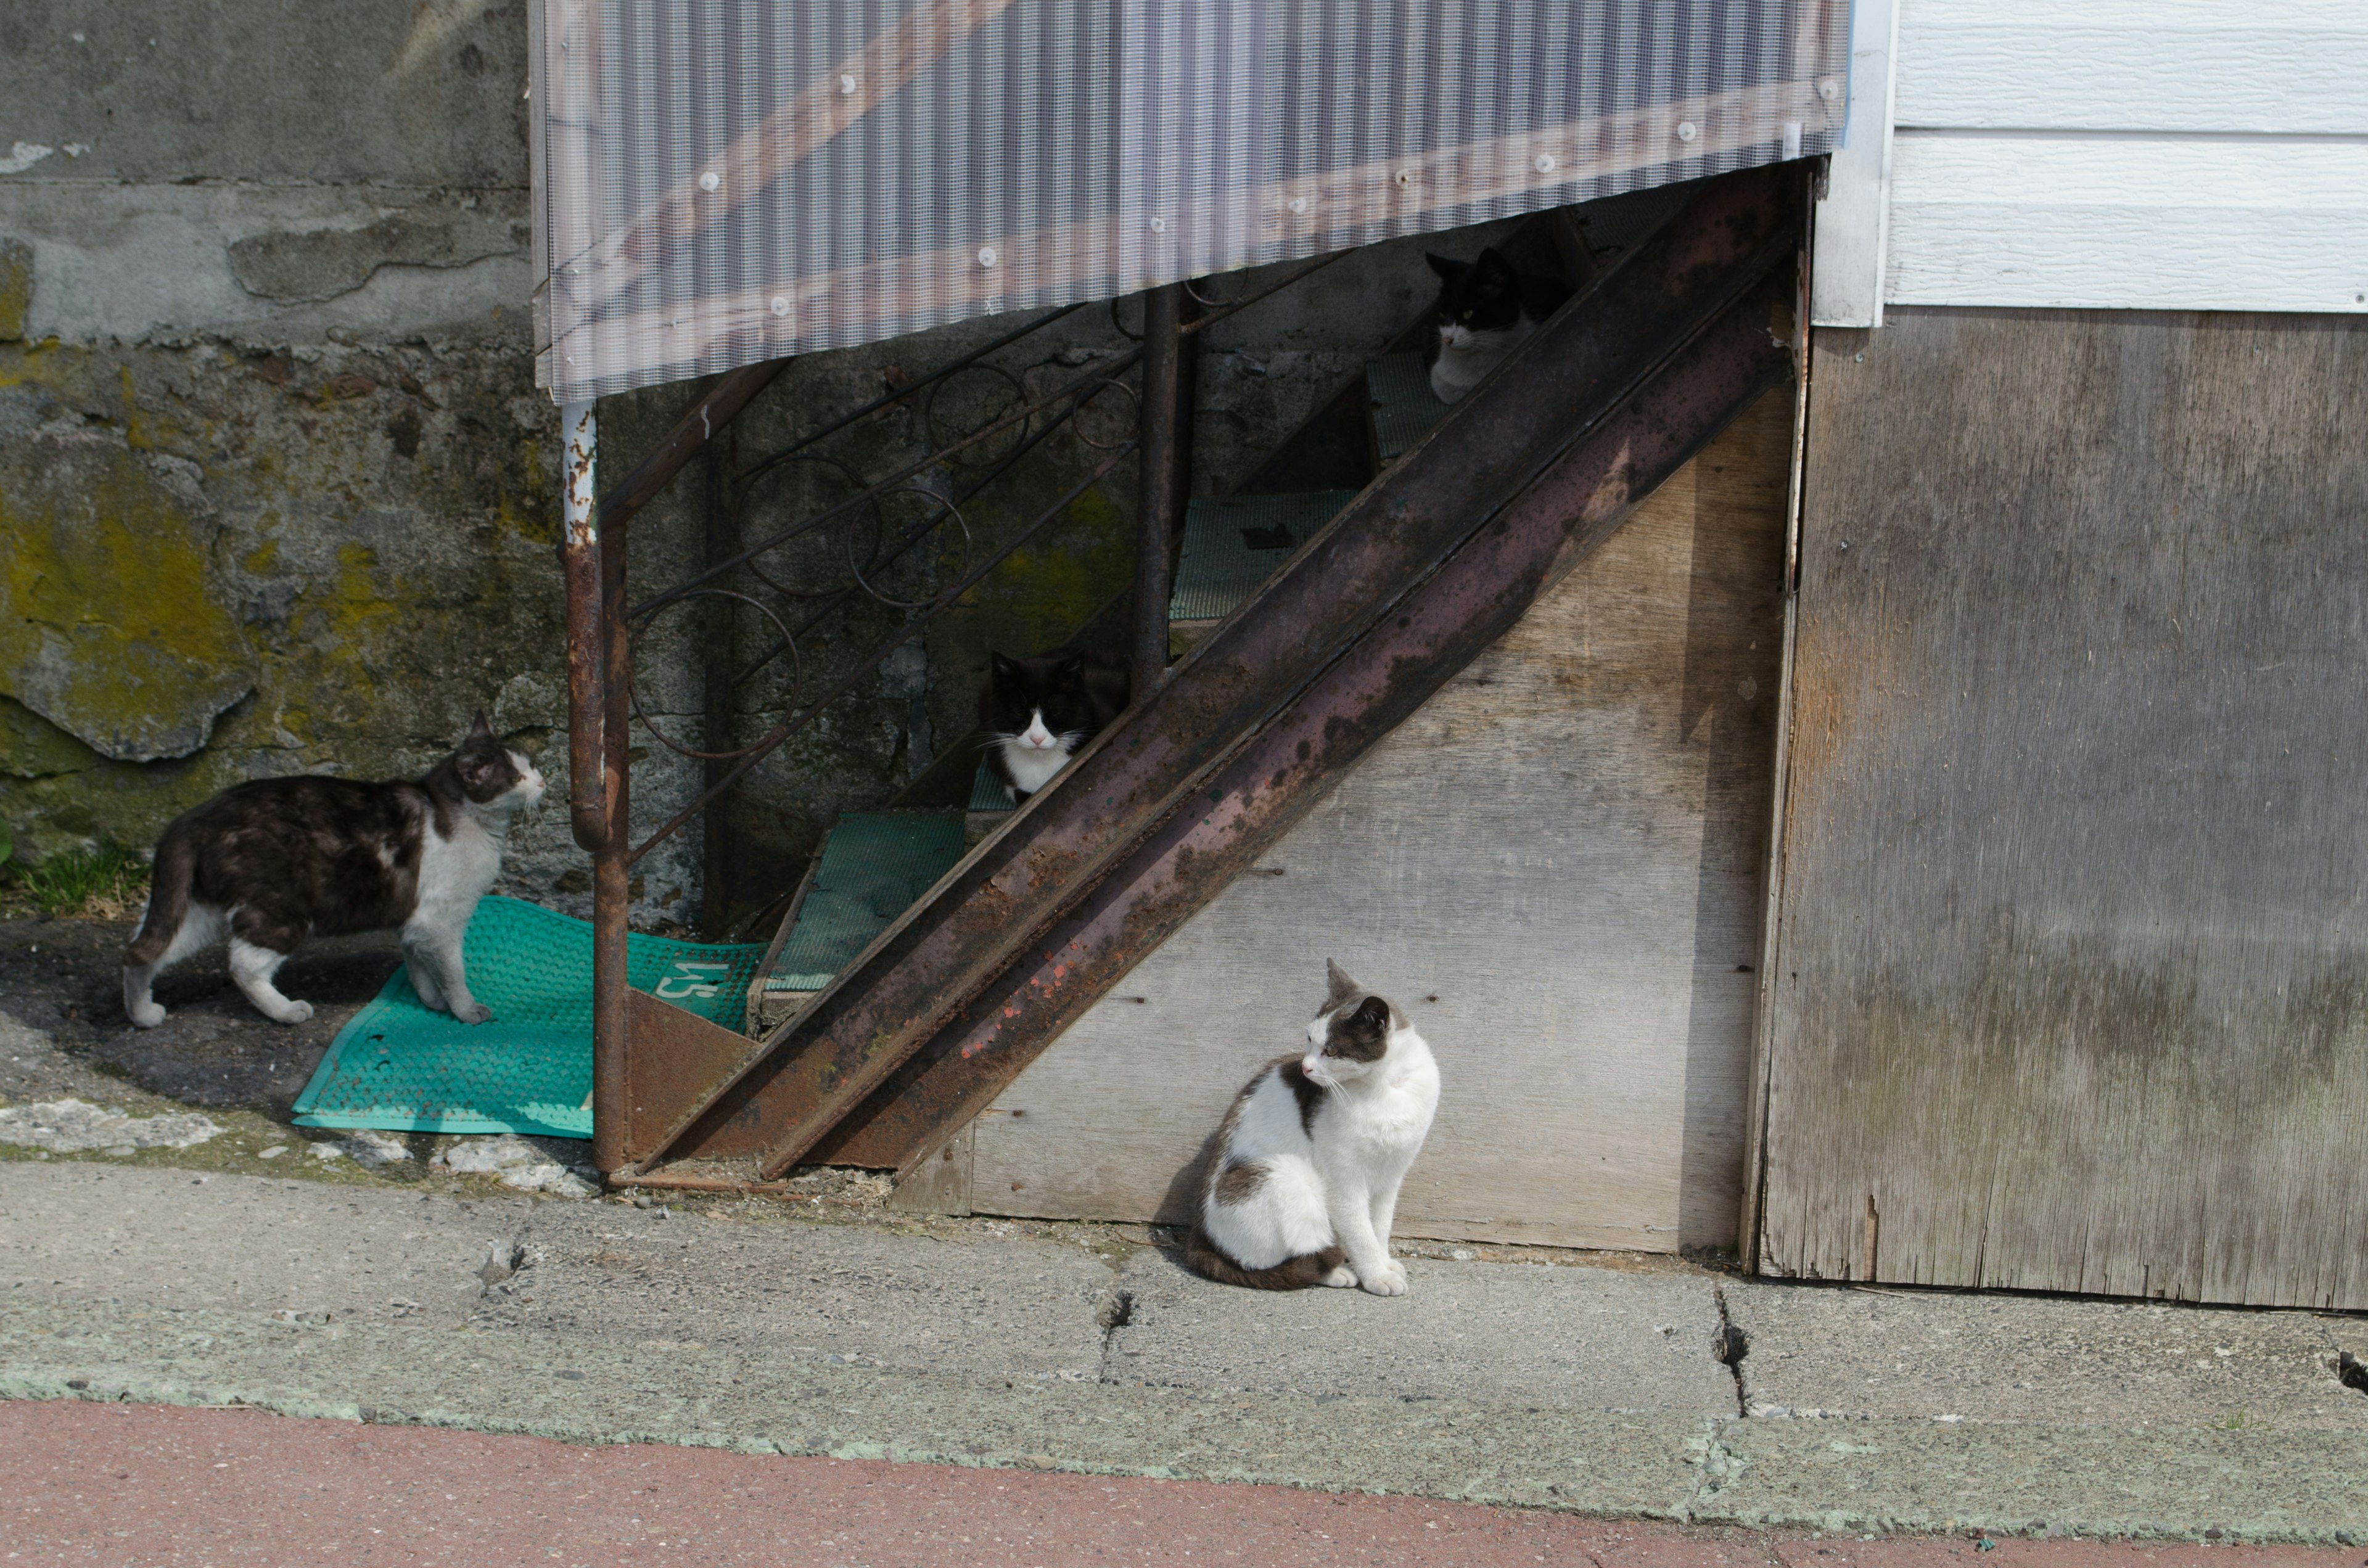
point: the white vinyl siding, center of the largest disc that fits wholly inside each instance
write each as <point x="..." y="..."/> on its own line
<point x="2129" y="223"/>
<point x="2130" y="154"/>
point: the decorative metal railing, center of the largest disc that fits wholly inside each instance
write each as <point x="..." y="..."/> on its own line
<point x="905" y="568"/>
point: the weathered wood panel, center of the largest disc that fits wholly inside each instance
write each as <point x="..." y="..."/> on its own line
<point x="2290" y="66"/>
<point x="2128" y="222"/>
<point x="1555" y="867"/>
<point x="2071" y="977"/>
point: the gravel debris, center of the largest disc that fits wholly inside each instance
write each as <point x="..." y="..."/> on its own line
<point x="518" y="1163"/>
<point x="367" y="1147"/>
<point x="72" y="1126"/>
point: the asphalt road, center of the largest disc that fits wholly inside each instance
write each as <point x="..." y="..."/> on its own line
<point x="113" y="1483"/>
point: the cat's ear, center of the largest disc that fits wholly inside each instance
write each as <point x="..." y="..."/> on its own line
<point x="1494" y="269"/>
<point x="1003" y="666"/>
<point x="1447" y="267"/>
<point x="1071" y="668"/>
<point x="1372" y="1019"/>
<point x="1342" y="987"/>
<point x="479" y="732"/>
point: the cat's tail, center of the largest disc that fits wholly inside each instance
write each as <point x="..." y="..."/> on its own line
<point x="168" y="899"/>
<point x="1209" y="1260"/>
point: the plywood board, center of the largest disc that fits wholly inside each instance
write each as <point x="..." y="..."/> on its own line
<point x="2071" y="977"/>
<point x="1554" y="867"/>
<point x="2128" y="222"/>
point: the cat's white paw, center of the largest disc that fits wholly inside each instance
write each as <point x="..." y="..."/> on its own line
<point x="147" y="1015"/>
<point x="1389" y="1280"/>
<point x="293" y="1012"/>
<point x="1341" y="1278"/>
<point x="472" y="1012"/>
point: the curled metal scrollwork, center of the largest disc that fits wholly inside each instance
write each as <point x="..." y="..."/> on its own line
<point x="1076" y="413"/>
<point x="1119" y="327"/>
<point x="861" y="488"/>
<point x="1192" y="290"/>
<point x="952" y="510"/>
<point x="960" y="449"/>
<point x="633" y="678"/>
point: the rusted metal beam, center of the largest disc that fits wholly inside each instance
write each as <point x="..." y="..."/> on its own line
<point x="673" y="1051"/>
<point x="1158" y="496"/>
<point x="670" y="1183"/>
<point x="1577" y="367"/>
<point x="1272" y="783"/>
<point x="699" y="422"/>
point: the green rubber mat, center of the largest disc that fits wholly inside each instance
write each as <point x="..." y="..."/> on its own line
<point x="875" y="866"/>
<point x="1232" y="547"/>
<point x="1405" y="408"/>
<point x="399" y="1067"/>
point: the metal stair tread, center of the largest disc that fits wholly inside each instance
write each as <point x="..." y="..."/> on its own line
<point x="988" y="792"/>
<point x="875" y="865"/>
<point x="1233" y="545"/>
<point x="1405" y="408"/>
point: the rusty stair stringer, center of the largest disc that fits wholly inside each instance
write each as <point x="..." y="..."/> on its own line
<point x="787" y="1092"/>
<point x="1271" y="784"/>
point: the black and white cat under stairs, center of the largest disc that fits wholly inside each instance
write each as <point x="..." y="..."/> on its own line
<point x="1410" y="550"/>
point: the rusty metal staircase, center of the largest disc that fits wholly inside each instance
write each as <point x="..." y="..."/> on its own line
<point x="1428" y="564"/>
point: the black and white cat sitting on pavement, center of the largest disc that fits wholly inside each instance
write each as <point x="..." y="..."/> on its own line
<point x="1303" y="1182"/>
<point x="272" y="862"/>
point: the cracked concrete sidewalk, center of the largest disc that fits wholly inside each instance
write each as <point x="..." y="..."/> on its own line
<point x="1598" y="1390"/>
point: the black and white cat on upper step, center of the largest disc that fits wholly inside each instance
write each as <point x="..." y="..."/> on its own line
<point x="1301" y="1186"/>
<point x="1038" y="710"/>
<point x="271" y="862"/>
<point x="1486" y="308"/>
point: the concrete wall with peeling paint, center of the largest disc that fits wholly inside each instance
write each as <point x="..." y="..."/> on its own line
<point x="275" y="482"/>
<point x="278" y="492"/>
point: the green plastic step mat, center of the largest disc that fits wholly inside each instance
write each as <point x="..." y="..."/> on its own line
<point x="1405" y="408"/>
<point x="988" y="792"/>
<point x="1232" y="547"/>
<point x="399" y="1067"/>
<point x="875" y="866"/>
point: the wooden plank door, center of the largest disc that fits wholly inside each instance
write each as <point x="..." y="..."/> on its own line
<point x="2069" y="979"/>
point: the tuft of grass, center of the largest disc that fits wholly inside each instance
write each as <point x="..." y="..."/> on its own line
<point x="108" y="882"/>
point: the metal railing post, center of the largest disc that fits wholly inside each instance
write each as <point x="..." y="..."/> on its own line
<point x="593" y="556"/>
<point x="611" y="862"/>
<point x="1161" y="499"/>
<point x="579" y="548"/>
<point x="717" y="668"/>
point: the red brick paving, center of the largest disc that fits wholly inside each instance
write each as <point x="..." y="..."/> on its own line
<point x="148" y="1485"/>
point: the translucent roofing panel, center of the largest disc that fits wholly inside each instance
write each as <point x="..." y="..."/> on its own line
<point x="724" y="181"/>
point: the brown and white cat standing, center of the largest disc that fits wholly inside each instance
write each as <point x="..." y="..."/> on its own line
<point x="274" y="862"/>
<point x="1303" y="1186"/>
